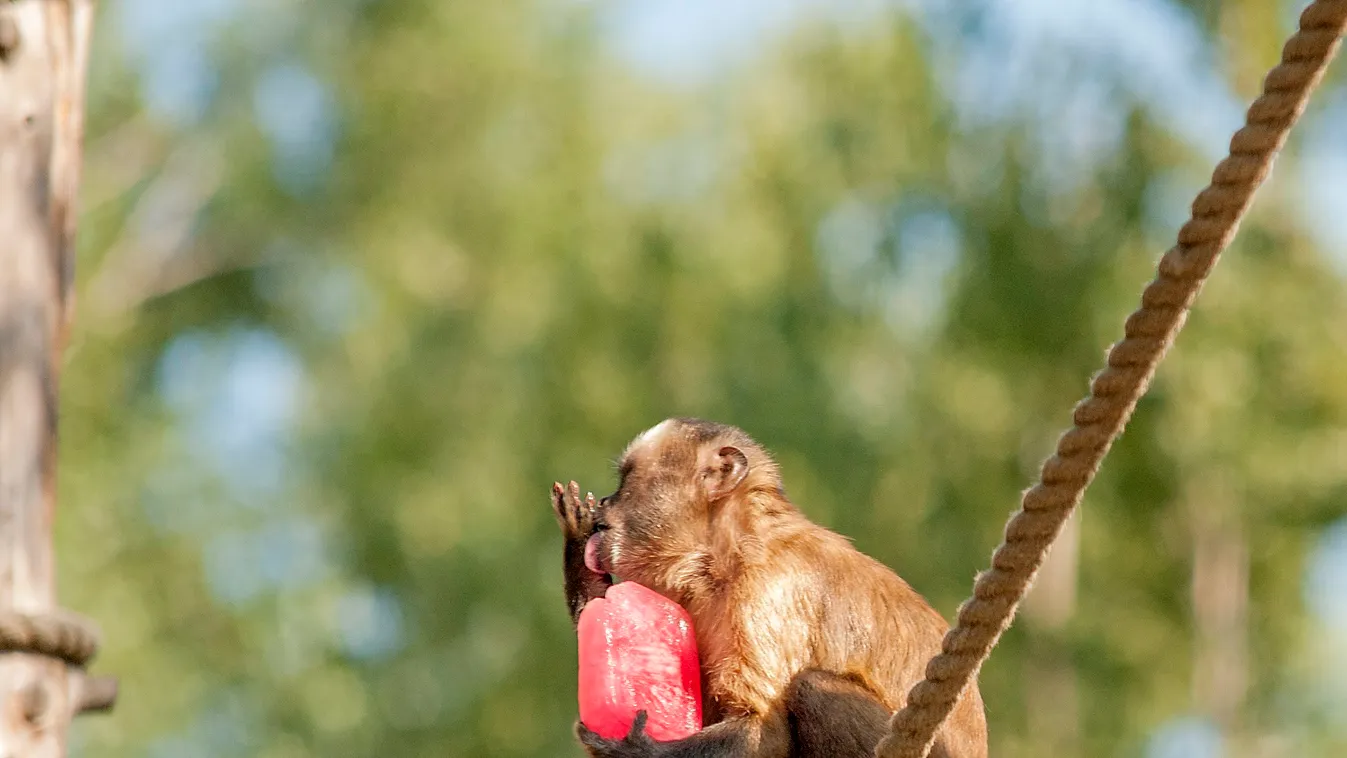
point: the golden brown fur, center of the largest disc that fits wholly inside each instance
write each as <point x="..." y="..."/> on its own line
<point x="807" y="644"/>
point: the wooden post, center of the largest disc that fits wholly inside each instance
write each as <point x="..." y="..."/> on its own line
<point x="44" y="47"/>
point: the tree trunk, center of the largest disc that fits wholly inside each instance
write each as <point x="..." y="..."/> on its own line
<point x="1220" y="603"/>
<point x="43" y="52"/>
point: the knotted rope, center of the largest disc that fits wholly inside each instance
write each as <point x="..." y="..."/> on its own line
<point x="64" y="635"/>
<point x="1114" y="392"/>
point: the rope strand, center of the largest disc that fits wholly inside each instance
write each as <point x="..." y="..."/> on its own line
<point x="1114" y="392"/>
<point x="61" y="634"/>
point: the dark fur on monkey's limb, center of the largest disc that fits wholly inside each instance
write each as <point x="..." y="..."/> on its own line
<point x="826" y="715"/>
<point x="577" y="520"/>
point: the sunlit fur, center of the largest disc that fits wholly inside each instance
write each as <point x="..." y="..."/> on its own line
<point x="771" y="594"/>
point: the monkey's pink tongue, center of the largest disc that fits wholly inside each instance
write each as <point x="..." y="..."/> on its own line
<point x="592" y="554"/>
<point x="637" y="652"/>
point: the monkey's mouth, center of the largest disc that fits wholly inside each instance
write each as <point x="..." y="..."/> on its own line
<point x="593" y="553"/>
<point x="596" y="557"/>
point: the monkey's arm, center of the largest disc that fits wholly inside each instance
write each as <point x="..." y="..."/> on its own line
<point x="826" y="716"/>
<point x="732" y="738"/>
<point x="576" y="518"/>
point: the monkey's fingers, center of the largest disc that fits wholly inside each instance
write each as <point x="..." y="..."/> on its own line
<point x="574" y="516"/>
<point x="637" y="735"/>
<point x="589" y="738"/>
<point x="575" y="523"/>
<point x="582" y="510"/>
<point x="591" y="507"/>
<point x="559" y="507"/>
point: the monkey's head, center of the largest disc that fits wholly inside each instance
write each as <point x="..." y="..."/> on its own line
<point x="685" y="490"/>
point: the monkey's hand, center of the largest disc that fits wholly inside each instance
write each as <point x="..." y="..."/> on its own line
<point x="637" y="744"/>
<point x="576" y="518"/>
<point x="732" y="738"/>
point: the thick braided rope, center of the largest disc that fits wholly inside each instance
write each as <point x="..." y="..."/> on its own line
<point x="1100" y="418"/>
<point x="64" y="635"/>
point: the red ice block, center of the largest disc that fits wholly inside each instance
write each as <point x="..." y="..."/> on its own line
<point x="637" y="652"/>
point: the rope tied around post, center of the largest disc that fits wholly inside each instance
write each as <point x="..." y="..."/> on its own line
<point x="68" y="637"/>
<point x="64" y="635"/>
<point x="1099" y="419"/>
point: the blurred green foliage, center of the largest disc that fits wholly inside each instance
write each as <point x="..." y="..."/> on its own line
<point x="324" y="371"/>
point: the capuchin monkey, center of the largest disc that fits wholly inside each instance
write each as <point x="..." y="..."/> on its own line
<point x="807" y="645"/>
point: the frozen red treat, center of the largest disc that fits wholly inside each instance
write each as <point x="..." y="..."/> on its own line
<point x="638" y="652"/>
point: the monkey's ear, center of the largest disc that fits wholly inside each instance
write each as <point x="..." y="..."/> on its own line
<point x="726" y="469"/>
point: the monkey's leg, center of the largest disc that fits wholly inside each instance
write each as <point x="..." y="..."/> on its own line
<point x="833" y="716"/>
<point x="840" y="716"/>
<point x="576" y="519"/>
